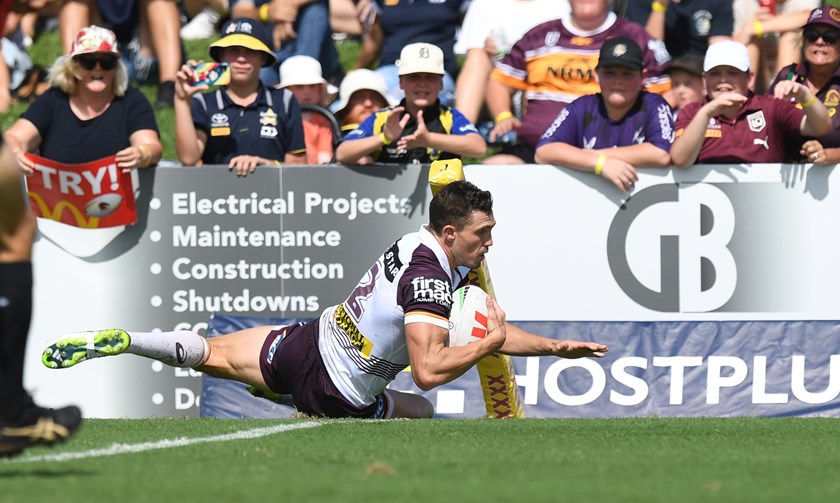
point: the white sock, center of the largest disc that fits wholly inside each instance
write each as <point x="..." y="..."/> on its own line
<point x="181" y="348"/>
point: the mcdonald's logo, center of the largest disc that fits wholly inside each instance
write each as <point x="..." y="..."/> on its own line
<point x="58" y="212"/>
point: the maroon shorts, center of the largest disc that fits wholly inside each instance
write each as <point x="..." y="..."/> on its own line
<point x="291" y="364"/>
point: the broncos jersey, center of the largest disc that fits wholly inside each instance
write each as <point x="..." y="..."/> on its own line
<point x="362" y="340"/>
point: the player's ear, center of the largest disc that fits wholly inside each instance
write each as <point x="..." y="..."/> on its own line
<point x="449" y="234"/>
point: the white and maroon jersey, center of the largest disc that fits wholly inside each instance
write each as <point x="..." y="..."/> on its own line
<point x="362" y="340"/>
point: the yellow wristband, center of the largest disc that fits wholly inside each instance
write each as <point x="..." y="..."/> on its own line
<point x="809" y="103"/>
<point x="758" y="28"/>
<point x="502" y="116"/>
<point x="264" y="13"/>
<point x="385" y="140"/>
<point x="600" y="164"/>
<point x="658" y="6"/>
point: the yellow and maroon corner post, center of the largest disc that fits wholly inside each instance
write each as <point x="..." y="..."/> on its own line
<point x="498" y="379"/>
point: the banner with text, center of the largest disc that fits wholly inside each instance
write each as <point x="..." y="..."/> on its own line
<point x="716" y="283"/>
<point x="91" y="196"/>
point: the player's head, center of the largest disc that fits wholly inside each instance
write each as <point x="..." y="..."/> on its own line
<point x="461" y="215"/>
<point x="455" y="203"/>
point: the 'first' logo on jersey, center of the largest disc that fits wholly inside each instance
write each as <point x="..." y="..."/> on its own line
<point x="432" y="290"/>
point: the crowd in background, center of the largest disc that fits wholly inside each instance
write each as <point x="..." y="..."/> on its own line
<point x="433" y="79"/>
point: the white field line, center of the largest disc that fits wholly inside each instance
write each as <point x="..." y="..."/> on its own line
<point x="118" y="449"/>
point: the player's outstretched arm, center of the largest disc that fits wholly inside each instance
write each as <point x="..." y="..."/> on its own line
<point x="521" y="343"/>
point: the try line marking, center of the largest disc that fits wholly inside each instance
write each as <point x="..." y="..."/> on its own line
<point x="118" y="449"/>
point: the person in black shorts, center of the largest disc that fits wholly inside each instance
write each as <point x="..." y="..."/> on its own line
<point x="22" y="423"/>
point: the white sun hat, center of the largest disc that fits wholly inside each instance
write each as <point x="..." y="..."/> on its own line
<point x="301" y="71"/>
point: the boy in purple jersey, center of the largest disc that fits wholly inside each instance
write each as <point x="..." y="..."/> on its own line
<point x="734" y="125"/>
<point x="340" y="364"/>
<point x="612" y="131"/>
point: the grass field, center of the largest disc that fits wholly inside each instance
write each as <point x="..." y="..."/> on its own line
<point x="591" y="460"/>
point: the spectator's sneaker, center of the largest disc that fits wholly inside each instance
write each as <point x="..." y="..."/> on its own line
<point x="202" y="26"/>
<point x="80" y="346"/>
<point x="39" y="426"/>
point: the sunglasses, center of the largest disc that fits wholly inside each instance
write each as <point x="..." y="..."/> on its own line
<point x="828" y="36"/>
<point x="89" y="62"/>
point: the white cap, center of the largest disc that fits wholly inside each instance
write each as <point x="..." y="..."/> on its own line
<point x="301" y="71"/>
<point x="727" y="53"/>
<point x="421" y="58"/>
<point x="358" y="80"/>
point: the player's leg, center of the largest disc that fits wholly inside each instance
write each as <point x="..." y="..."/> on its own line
<point x="408" y="405"/>
<point x="22" y="423"/>
<point x="233" y="356"/>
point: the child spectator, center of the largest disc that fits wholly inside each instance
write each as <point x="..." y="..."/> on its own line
<point x="302" y="76"/>
<point x="686" y="80"/>
<point x="613" y="131"/>
<point x="420" y="129"/>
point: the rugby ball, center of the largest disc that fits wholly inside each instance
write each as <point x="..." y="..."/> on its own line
<point x="468" y="319"/>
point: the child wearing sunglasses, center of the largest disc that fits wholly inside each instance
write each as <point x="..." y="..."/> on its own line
<point x="819" y="70"/>
<point x="89" y="112"/>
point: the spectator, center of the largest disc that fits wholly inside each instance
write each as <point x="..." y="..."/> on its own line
<point x="398" y="24"/>
<point x="489" y="30"/>
<point x="769" y="54"/>
<point x="22" y="423"/>
<point x="243" y="124"/>
<point x="612" y="132"/>
<point x="90" y="112"/>
<point x="142" y="38"/>
<point x="686" y="26"/>
<point x="299" y="27"/>
<point x="687" y="86"/>
<point x="819" y="71"/>
<point x="734" y="125"/>
<point x="427" y="131"/>
<point x="362" y="92"/>
<point x="553" y="64"/>
<point x="302" y="76"/>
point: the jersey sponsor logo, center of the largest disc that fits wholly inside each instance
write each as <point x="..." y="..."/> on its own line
<point x="554" y="125"/>
<point x="702" y="22"/>
<point x="756" y="121"/>
<point x="832" y="98"/>
<point x="639" y="136"/>
<point x="432" y="290"/>
<point x="359" y="341"/>
<point x="589" y="143"/>
<point x="714" y="133"/>
<point x="219" y="120"/>
<point x="759" y="141"/>
<point x="269" y="357"/>
<point x="219" y="125"/>
<point x="665" y="121"/>
<point x="393" y="264"/>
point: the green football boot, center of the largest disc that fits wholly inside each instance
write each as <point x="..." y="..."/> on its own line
<point x="77" y="347"/>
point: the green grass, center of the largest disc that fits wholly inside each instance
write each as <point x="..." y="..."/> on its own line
<point x="47" y="47"/>
<point x="592" y="460"/>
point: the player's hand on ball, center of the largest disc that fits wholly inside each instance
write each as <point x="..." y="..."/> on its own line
<point x="578" y="349"/>
<point x="496" y="329"/>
